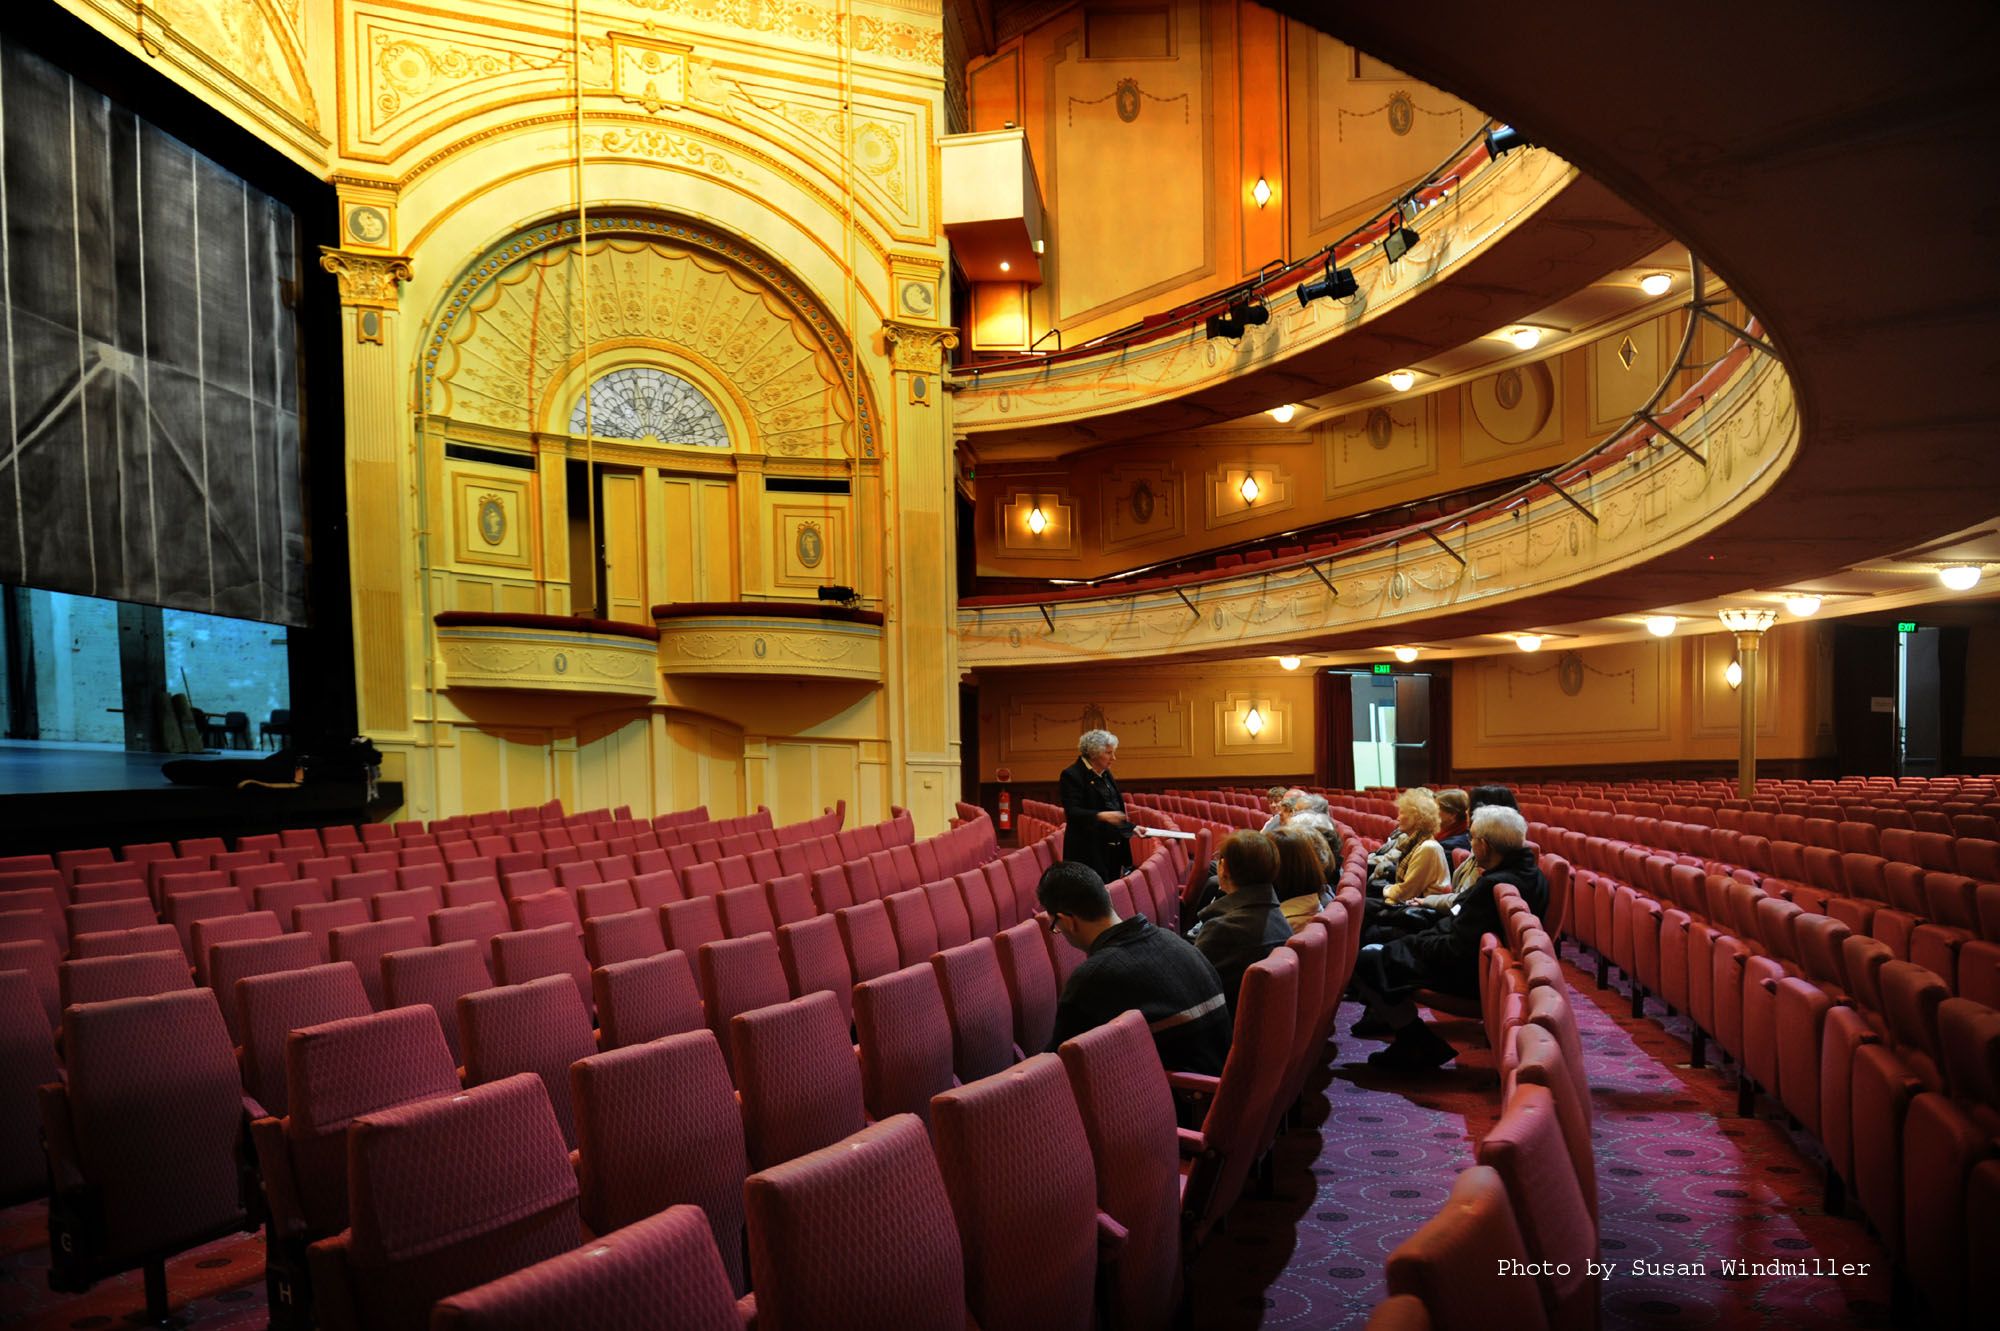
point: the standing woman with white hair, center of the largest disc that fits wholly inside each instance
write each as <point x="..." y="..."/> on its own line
<point x="1097" y="830"/>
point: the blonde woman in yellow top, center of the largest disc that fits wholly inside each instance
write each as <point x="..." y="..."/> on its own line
<point x="1423" y="868"/>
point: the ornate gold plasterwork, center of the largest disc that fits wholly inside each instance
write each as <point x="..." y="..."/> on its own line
<point x="547" y="662"/>
<point x="662" y="145"/>
<point x="816" y="25"/>
<point x="409" y="68"/>
<point x="916" y="348"/>
<point x="262" y="44"/>
<point x="740" y="645"/>
<point x="367" y="281"/>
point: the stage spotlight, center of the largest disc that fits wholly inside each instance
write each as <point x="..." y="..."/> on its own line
<point x="1337" y="284"/>
<point x="1242" y="314"/>
<point x="1400" y="241"/>
<point x="1503" y="139"/>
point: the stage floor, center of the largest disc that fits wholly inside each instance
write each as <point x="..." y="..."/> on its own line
<point x="48" y="769"/>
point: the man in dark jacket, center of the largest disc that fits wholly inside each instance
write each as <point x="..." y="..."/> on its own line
<point x="1132" y="966"/>
<point x="1241" y="926"/>
<point x="1445" y="957"/>
<point x="1096" y="828"/>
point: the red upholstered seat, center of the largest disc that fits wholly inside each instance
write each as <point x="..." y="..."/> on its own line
<point x="790" y="899"/>
<point x="27" y="1063"/>
<point x="436" y="978"/>
<point x="530" y="954"/>
<point x="1948" y="1138"/>
<point x="541" y="909"/>
<point x="101" y="916"/>
<point x="746" y="911"/>
<point x="335" y="1072"/>
<point x="645" y="999"/>
<point x="623" y="936"/>
<point x="799" y="1078"/>
<point x="1527" y="1148"/>
<point x="657" y="1126"/>
<point x="1239" y="1101"/>
<point x="1452" y="1262"/>
<point x="539" y="1027"/>
<point x="477" y="890"/>
<point x="690" y="924"/>
<point x="948" y="913"/>
<point x="618" y="1282"/>
<point x="364" y="945"/>
<point x="445" y="1194"/>
<point x="1538" y="1061"/>
<point x="858" y="1234"/>
<point x="905" y="1041"/>
<point x="816" y="961"/>
<point x="976" y="1003"/>
<point x="915" y="928"/>
<point x="981" y="913"/>
<point x="131" y="1189"/>
<point x="1017" y="1167"/>
<point x="271" y="1006"/>
<point x="870" y="939"/>
<point x="739" y="975"/>
<point x="132" y="975"/>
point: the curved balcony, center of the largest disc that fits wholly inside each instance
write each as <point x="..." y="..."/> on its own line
<point x="1670" y="474"/>
<point x="774" y="639"/>
<point x="547" y="653"/>
<point x="1499" y="239"/>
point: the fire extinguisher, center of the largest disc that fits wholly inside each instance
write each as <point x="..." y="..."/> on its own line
<point x="1006" y="800"/>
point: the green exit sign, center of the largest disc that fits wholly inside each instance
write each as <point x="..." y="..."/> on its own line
<point x="1906" y="626"/>
<point x="1384" y="668"/>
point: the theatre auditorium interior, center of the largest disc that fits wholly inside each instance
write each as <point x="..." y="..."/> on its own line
<point x="1062" y="665"/>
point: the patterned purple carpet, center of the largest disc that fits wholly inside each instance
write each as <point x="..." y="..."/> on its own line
<point x="1683" y="1181"/>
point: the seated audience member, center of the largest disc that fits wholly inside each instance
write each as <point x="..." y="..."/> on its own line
<point x="1323" y="824"/>
<point x="1244" y="923"/>
<point x="1276" y="797"/>
<point x="1422" y="867"/>
<point x="1446" y="956"/>
<point x="1131" y="965"/>
<point x="1453" y="834"/>
<point x="1302" y="876"/>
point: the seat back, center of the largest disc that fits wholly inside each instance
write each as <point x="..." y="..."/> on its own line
<point x="739" y="975"/>
<point x="1527" y="1148"/>
<point x="552" y="949"/>
<point x="537" y="1027"/>
<point x="657" y="1126"/>
<point x="815" y="961"/>
<point x="431" y="1216"/>
<point x="436" y="978"/>
<point x="618" y="1282"/>
<point x="858" y="1234"/>
<point x="1017" y="1167"/>
<point x="1232" y="1130"/>
<point x="1031" y="983"/>
<point x="1451" y="1262"/>
<point x="271" y="1006"/>
<point x="623" y="935"/>
<point x="1127" y="1110"/>
<point x="27" y="1062"/>
<point x="646" y="998"/>
<point x="132" y="975"/>
<point x="976" y="1004"/>
<point x="365" y="944"/>
<point x="230" y="962"/>
<point x="905" y="1041"/>
<point x="799" y="1078"/>
<point x="691" y="923"/>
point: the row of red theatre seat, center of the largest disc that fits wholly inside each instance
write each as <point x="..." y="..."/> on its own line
<point x="554" y="987"/>
<point x="1897" y="1079"/>
<point x="1530" y="1204"/>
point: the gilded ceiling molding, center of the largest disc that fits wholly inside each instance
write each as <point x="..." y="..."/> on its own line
<point x="811" y="24"/>
<point x="367" y="281"/>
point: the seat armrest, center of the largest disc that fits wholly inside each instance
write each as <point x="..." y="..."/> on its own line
<point x="1111" y="1238"/>
<point x="65" y="1169"/>
<point x="333" y="1295"/>
<point x="746" y="1310"/>
<point x="1197" y="1083"/>
<point x="274" y="1163"/>
<point x="1192" y="1143"/>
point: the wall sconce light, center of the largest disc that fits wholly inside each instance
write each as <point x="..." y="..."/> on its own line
<point x="1734" y="674"/>
<point x="1283" y="415"/>
<point x="1261" y="191"/>
<point x="1960" y="577"/>
<point x="1288" y="663"/>
<point x="1402" y="380"/>
<point x="1038" y="521"/>
<point x="1803" y="606"/>
<point x="1528" y="642"/>
<point x="1656" y="284"/>
<point x="1253" y="721"/>
<point x="1249" y="489"/>
<point x="1661" y="626"/>
<point x="1406" y="654"/>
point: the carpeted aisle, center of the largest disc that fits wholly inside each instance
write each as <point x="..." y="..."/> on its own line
<point x="1683" y="1180"/>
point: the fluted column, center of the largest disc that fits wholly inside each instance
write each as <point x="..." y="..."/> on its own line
<point x="1748" y="626"/>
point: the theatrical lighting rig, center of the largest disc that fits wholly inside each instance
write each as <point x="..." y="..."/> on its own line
<point x="1336" y="283"/>
<point x="1244" y="312"/>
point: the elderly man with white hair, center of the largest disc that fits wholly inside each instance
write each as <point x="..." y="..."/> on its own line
<point x="1097" y="830"/>
<point x="1444" y="957"/>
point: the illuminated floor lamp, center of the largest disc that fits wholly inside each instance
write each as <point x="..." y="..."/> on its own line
<point x="1748" y="625"/>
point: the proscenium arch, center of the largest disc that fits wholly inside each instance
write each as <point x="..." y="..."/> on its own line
<point x="477" y="278"/>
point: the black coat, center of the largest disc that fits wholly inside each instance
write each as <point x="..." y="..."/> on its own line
<point x="1240" y="929"/>
<point x="1086" y="840"/>
<point x="1446" y="956"/>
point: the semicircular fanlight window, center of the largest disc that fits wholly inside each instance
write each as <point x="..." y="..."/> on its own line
<point x="648" y="406"/>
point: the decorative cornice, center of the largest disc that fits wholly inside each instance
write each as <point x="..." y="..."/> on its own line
<point x="917" y="348"/>
<point x="367" y="281"/>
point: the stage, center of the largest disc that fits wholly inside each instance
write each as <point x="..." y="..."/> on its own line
<point x="59" y="796"/>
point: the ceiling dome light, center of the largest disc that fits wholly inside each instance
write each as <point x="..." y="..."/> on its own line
<point x="1525" y="338"/>
<point x="1006" y="267"/>
<point x="1959" y="577"/>
<point x="1401" y="380"/>
<point x="1261" y="191"/>
<point x="1734" y="674"/>
<point x="1802" y="607"/>
<point x="1528" y="642"/>
<point x="1656" y="284"/>
<point x="1406" y="654"/>
<point x="1249" y="490"/>
<point x="1661" y="626"/>
<point x="1038" y="521"/>
<point x="1288" y="662"/>
<point x="1747" y="619"/>
<point x="1283" y="415"/>
<point x="1253" y="721"/>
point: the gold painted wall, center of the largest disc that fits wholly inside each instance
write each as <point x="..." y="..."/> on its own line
<point x="1166" y="113"/>
<point x="1171" y="721"/>
<point x="785" y="159"/>
<point x="1657" y="701"/>
<point x="1128" y="505"/>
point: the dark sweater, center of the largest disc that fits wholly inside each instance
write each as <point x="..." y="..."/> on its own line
<point x="1238" y="930"/>
<point x="1447" y="954"/>
<point x="1133" y="965"/>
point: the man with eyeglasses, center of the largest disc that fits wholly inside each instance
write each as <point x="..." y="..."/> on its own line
<point x="1131" y="965"/>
